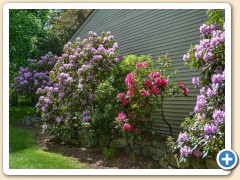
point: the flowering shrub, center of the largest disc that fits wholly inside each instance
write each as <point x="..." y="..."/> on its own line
<point x="35" y="76"/>
<point x="67" y="106"/>
<point x="107" y="91"/>
<point x="146" y="89"/>
<point x="203" y="135"/>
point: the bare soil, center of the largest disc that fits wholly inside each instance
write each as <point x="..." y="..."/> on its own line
<point x="93" y="157"/>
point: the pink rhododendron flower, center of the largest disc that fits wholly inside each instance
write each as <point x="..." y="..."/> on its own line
<point x="125" y="101"/>
<point x="154" y="75"/>
<point x="155" y="90"/>
<point x="130" y="115"/>
<point x="165" y="82"/>
<point x="129" y="93"/>
<point x="146" y="93"/>
<point x="185" y="91"/>
<point x="161" y="82"/>
<point x="139" y="65"/>
<point x="148" y="83"/>
<point x="121" y="116"/>
<point x="127" y="127"/>
<point x="145" y="64"/>
<point x="129" y="80"/>
<point x="181" y="85"/>
<point x="121" y="96"/>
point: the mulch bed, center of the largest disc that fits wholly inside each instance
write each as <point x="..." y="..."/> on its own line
<point x="93" y="157"/>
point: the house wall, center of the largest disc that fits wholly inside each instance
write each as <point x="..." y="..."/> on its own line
<point x="154" y="32"/>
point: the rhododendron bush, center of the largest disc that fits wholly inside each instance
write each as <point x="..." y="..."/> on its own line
<point x="146" y="89"/>
<point x="107" y="91"/>
<point x="203" y="136"/>
<point x="35" y="76"/>
<point x="67" y="106"/>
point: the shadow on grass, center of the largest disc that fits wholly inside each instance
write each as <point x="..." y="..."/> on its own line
<point x="16" y="113"/>
<point x="24" y="152"/>
<point x="20" y="139"/>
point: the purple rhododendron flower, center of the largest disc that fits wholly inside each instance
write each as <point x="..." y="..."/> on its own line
<point x="90" y="96"/>
<point x="46" y="116"/>
<point x="38" y="105"/>
<point x="68" y="118"/>
<point x="80" y="86"/>
<point x="186" y="57"/>
<point x="44" y="109"/>
<point x="62" y="94"/>
<point x="209" y="129"/>
<point x="84" y="102"/>
<point x="85" y="119"/>
<point x="217" y="78"/>
<point x="196" y="109"/>
<point x="198" y="54"/>
<point x="197" y="153"/>
<point x="86" y="112"/>
<point x="185" y="151"/>
<point x="204" y="29"/>
<point x="45" y="126"/>
<point x="183" y="137"/>
<point x="58" y="119"/>
<point x="195" y="81"/>
<point x="69" y="79"/>
<point x="218" y="115"/>
<point x="47" y="101"/>
<point x="39" y="90"/>
<point x="55" y="89"/>
<point x="207" y="56"/>
<point x="111" y="54"/>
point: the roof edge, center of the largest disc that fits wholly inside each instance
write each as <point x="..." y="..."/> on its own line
<point x="82" y="25"/>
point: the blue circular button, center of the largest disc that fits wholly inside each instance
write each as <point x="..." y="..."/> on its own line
<point x="227" y="159"/>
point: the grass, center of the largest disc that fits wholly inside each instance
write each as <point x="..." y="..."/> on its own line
<point x="16" y="113"/>
<point x="25" y="154"/>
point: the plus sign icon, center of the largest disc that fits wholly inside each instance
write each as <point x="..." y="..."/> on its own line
<point x="227" y="159"/>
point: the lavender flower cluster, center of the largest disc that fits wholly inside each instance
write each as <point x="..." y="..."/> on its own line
<point x="35" y="76"/>
<point x="83" y="65"/>
<point x="207" y="127"/>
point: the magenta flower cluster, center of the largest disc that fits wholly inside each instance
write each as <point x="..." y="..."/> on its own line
<point x="144" y="87"/>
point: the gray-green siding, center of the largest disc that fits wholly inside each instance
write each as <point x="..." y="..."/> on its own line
<point x="154" y="32"/>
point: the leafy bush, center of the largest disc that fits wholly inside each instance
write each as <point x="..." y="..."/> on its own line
<point x="146" y="89"/>
<point x="107" y="91"/>
<point x="68" y="105"/>
<point x="34" y="76"/>
<point x="204" y="135"/>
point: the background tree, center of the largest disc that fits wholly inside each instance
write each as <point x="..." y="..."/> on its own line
<point x="62" y="25"/>
<point x="26" y="28"/>
<point x="34" y="32"/>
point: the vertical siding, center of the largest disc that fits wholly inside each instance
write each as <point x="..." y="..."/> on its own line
<point x="155" y="32"/>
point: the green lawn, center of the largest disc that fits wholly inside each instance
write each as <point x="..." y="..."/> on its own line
<point x="16" y="113"/>
<point x="25" y="154"/>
